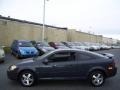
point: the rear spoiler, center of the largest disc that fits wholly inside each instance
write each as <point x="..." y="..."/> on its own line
<point x="108" y="55"/>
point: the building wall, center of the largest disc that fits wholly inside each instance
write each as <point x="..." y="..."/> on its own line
<point x="83" y="37"/>
<point x="56" y="35"/>
<point x="11" y="30"/>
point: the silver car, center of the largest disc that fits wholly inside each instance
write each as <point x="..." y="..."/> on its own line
<point x="2" y="54"/>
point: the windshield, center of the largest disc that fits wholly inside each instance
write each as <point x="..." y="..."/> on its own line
<point x="42" y="44"/>
<point x="43" y="56"/>
<point x="25" y="44"/>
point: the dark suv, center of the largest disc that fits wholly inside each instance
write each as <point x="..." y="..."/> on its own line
<point x="64" y="64"/>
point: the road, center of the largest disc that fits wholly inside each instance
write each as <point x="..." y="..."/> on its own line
<point x="111" y="83"/>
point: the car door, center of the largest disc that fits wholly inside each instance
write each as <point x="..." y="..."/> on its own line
<point x="84" y="63"/>
<point x="60" y="65"/>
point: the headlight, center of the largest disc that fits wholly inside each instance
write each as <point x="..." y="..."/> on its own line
<point x="22" y="51"/>
<point x="13" y="67"/>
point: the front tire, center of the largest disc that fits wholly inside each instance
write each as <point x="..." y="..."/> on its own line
<point x="18" y="56"/>
<point x="27" y="78"/>
<point x="97" y="78"/>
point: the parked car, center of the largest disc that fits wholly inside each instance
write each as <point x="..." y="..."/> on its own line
<point x="115" y="47"/>
<point x="75" y="45"/>
<point x="64" y="64"/>
<point x="43" y="47"/>
<point x="80" y="45"/>
<point x="2" y="54"/>
<point x="58" y="45"/>
<point x="94" y="47"/>
<point x="69" y="44"/>
<point x="105" y="47"/>
<point x="87" y="45"/>
<point x="23" y="48"/>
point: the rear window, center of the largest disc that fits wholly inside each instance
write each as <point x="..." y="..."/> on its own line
<point x="96" y="55"/>
<point x="81" y="56"/>
<point x="86" y="55"/>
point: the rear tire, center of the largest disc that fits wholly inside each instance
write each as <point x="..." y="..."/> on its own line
<point x="97" y="78"/>
<point x="27" y="78"/>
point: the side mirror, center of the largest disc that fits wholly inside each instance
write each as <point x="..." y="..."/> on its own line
<point x="45" y="62"/>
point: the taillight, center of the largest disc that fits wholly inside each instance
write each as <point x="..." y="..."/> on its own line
<point x="111" y="65"/>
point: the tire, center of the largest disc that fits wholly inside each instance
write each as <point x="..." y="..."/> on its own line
<point x="18" y="56"/>
<point x="12" y="52"/>
<point x="27" y="78"/>
<point x="97" y="78"/>
<point x="2" y="61"/>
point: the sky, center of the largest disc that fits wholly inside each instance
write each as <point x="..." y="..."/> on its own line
<point x="101" y="17"/>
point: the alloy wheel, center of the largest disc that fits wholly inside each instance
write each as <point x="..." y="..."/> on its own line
<point x="97" y="78"/>
<point x="27" y="79"/>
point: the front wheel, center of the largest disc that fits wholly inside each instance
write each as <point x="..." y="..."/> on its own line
<point x="97" y="78"/>
<point x="18" y="56"/>
<point x="27" y="78"/>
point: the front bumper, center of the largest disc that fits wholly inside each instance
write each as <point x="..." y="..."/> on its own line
<point x="12" y="75"/>
<point x="2" y="59"/>
<point x="28" y="55"/>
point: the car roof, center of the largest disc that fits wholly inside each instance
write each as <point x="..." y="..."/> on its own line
<point x="68" y="50"/>
<point x="78" y="50"/>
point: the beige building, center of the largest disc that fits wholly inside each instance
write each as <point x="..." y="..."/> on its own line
<point x="74" y="35"/>
<point x="11" y="29"/>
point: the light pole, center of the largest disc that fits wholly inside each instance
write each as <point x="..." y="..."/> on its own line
<point x="43" y="31"/>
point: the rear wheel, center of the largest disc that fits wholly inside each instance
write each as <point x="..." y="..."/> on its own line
<point x="97" y="78"/>
<point x="27" y="78"/>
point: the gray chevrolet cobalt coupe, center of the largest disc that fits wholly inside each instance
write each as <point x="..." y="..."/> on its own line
<point x="67" y="64"/>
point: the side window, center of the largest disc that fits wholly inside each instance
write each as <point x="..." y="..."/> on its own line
<point x="62" y="57"/>
<point x="81" y="56"/>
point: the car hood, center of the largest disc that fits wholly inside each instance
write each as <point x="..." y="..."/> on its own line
<point x="26" y="62"/>
<point x="27" y="49"/>
<point x="46" y="48"/>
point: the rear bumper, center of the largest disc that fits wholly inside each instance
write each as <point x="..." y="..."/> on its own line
<point x="112" y="72"/>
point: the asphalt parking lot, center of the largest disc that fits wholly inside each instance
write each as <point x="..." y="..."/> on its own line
<point x="6" y="84"/>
